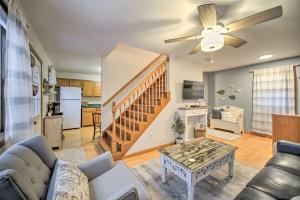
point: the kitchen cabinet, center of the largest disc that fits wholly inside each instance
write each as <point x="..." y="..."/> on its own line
<point x="53" y="128"/>
<point x="75" y="83"/>
<point x="62" y="82"/>
<point x="97" y="89"/>
<point x="88" y="88"/>
<point x="87" y="116"/>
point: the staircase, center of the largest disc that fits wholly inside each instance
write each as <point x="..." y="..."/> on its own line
<point x="134" y="114"/>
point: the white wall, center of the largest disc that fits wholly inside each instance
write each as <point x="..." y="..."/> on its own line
<point x="119" y="67"/>
<point x="159" y="132"/>
<point x="35" y="42"/>
<point x="81" y="76"/>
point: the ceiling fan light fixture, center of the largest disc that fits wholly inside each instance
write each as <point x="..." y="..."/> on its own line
<point x="212" y="40"/>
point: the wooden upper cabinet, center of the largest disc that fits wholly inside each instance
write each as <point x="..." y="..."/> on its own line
<point x="75" y="83"/>
<point x="88" y="88"/>
<point x="62" y="82"/>
<point x="97" y="89"/>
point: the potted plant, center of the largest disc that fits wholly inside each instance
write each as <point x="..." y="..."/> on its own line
<point x="178" y="127"/>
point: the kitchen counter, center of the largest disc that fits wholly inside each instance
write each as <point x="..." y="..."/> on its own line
<point x="91" y="106"/>
<point x="87" y="113"/>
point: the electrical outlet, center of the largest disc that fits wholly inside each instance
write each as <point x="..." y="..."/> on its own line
<point x="151" y="134"/>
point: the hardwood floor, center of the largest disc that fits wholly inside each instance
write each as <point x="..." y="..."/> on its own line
<point x="253" y="150"/>
<point x="82" y="137"/>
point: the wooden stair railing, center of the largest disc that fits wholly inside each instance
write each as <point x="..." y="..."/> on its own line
<point x="133" y="114"/>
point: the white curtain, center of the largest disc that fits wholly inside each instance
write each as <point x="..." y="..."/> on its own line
<point x="18" y="82"/>
<point x="273" y="92"/>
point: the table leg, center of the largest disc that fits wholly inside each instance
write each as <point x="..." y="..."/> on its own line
<point x="190" y="190"/>
<point x="164" y="174"/>
<point x="230" y="168"/>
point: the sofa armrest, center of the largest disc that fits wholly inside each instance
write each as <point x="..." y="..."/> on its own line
<point x="288" y="147"/>
<point x="97" y="166"/>
<point x="126" y="193"/>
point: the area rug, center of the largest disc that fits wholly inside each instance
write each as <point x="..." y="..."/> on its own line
<point x="222" y="134"/>
<point x="217" y="186"/>
<point x="75" y="156"/>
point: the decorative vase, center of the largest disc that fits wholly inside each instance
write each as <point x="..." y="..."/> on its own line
<point x="179" y="140"/>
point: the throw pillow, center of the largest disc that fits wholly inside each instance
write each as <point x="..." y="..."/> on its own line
<point x="70" y="183"/>
<point x="226" y="116"/>
<point x="216" y="113"/>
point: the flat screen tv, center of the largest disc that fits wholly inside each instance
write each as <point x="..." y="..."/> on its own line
<point x="193" y="90"/>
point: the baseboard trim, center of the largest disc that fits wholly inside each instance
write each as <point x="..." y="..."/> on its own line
<point x="148" y="150"/>
<point x="260" y="134"/>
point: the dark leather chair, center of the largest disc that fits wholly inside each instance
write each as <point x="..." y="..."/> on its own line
<point x="280" y="179"/>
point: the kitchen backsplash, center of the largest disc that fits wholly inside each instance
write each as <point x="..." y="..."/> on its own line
<point x="91" y="99"/>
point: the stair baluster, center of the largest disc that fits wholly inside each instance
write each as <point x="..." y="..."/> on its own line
<point x="146" y="100"/>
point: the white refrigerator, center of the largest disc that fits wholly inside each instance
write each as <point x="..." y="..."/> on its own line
<point x="70" y="105"/>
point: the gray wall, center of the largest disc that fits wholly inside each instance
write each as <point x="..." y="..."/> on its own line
<point x="242" y="79"/>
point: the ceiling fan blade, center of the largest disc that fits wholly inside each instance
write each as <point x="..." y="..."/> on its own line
<point x="257" y="18"/>
<point x="234" y="41"/>
<point x="195" y="37"/>
<point x="208" y="15"/>
<point x="195" y="49"/>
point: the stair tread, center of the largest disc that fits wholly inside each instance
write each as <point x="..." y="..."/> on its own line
<point x="127" y="128"/>
<point x="145" y="105"/>
<point x="118" y="139"/>
<point x="140" y="112"/>
<point x="104" y="144"/>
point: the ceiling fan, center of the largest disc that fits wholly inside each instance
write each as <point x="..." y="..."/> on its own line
<point x="214" y="35"/>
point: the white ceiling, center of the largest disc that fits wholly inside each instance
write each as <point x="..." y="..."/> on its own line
<point x="76" y="33"/>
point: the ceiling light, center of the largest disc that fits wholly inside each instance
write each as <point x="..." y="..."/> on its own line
<point x="267" y="56"/>
<point x="212" y="40"/>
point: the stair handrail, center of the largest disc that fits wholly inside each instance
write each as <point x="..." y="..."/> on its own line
<point x="161" y="68"/>
<point x="164" y="59"/>
<point x="129" y="82"/>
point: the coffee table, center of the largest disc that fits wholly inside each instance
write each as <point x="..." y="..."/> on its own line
<point x="195" y="160"/>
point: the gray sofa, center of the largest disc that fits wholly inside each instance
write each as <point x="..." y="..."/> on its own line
<point x="26" y="173"/>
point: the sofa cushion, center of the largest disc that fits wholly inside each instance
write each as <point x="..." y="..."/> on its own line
<point x="115" y="180"/>
<point x="216" y="113"/>
<point x="29" y="166"/>
<point x="286" y="162"/>
<point x="13" y="186"/>
<point x="39" y="145"/>
<point x="276" y="183"/>
<point x="68" y="182"/>
<point x="226" y="116"/>
<point x="251" y="194"/>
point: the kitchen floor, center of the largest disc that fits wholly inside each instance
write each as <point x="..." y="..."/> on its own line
<point x="83" y="137"/>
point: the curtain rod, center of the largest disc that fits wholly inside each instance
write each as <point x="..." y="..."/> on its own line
<point x="293" y="65"/>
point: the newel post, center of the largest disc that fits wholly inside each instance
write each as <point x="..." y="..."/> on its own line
<point x="113" y="142"/>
